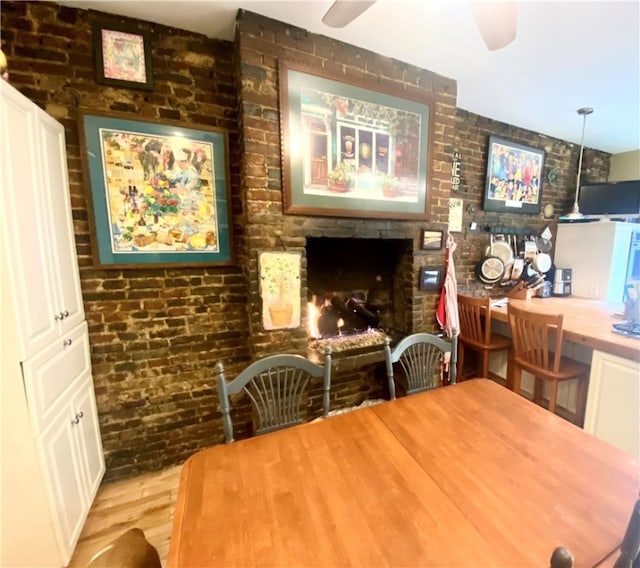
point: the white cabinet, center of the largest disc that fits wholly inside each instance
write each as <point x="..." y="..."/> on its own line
<point x="37" y="224"/>
<point x="73" y="466"/>
<point x="613" y="402"/>
<point x="52" y="461"/>
<point x="598" y="254"/>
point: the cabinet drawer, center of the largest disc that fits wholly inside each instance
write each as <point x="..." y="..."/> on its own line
<point x="48" y="374"/>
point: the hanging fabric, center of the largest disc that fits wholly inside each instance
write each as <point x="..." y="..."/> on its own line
<point x="447" y="311"/>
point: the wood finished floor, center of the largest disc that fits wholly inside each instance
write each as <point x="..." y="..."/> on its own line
<point x="146" y="502"/>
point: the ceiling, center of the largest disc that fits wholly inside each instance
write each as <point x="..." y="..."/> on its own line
<point x="567" y="54"/>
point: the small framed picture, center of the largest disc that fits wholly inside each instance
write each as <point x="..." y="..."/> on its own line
<point x="123" y="56"/>
<point x="430" y="279"/>
<point x="431" y="240"/>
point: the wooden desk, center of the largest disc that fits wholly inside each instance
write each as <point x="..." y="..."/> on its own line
<point x="468" y="475"/>
<point x="587" y="322"/>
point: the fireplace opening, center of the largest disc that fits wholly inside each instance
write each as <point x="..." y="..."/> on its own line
<point x="355" y="286"/>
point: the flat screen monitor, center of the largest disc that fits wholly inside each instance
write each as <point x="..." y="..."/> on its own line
<point x="616" y="198"/>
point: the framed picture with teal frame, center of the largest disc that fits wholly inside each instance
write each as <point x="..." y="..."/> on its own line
<point x="158" y="192"/>
<point x="353" y="147"/>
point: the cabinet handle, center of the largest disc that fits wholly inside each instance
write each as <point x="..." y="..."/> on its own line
<point x="59" y="316"/>
<point x="80" y="414"/>
<point x="75" y="420"/>
<point x="65" y="314"/>
<point x="67" y="342"/>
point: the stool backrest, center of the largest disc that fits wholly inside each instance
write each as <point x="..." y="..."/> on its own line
<point x="537" y="338"/>
<point x="475" y="319"/>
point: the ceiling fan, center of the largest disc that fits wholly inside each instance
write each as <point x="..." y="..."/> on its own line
<point x="496" y="20"/>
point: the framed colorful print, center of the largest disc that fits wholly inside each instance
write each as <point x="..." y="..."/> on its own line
<point x="123" y="56"/>
<point x="351" y="148"/>
<point x="280" y="289"/>
<point x="514" y="177"/>
<point x="158" y="192"/>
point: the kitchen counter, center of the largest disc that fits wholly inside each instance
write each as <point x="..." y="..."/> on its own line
<point x="586" y="322"/>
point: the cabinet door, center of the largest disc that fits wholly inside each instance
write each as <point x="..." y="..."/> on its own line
<point x="61" y="239"/>
<point x="89" y="441"/>
<point x="65" y="479"/>
<point x="25" y="233"/>
<point x="613" y="402"/>
<point x="49" y="375"/>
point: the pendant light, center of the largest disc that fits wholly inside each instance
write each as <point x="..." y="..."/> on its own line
<point x="575" y="211"/>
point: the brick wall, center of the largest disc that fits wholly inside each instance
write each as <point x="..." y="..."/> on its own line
<point x="471" y="137"/>
<point x="261" y="44"/>
<point x="156" y="334"/>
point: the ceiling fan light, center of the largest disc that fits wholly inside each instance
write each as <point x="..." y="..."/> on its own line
<point x="343" y="12"/>
<point x="497" y="22"/>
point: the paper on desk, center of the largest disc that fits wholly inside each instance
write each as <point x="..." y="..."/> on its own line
<point x="499" y="303"/>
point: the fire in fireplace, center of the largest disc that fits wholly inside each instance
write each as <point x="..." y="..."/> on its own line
<point x="351" y="284"/>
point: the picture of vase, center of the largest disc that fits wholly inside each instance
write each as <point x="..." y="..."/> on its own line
<point x="281" y="314"/>
<point x="280" y="289"/>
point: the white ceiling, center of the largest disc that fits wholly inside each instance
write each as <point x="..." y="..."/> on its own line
<point x="567" y="54"/>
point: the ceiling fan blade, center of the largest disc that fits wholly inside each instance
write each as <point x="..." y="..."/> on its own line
<point x="343" y="12"/>
<point x="497" y="22"/>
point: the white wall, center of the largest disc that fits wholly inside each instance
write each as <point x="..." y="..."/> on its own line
<point x="625" y="166"/>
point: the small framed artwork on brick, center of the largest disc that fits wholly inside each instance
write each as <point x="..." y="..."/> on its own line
<point x="123" y="56"/>
<point x="430" y="279"/>
<point x="431" y="240"/>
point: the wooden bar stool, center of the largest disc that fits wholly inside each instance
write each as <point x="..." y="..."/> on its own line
<point x="537" y="345"/>
<point x="475" y="334"/>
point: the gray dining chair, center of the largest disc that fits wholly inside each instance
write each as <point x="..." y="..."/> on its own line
<point x="421" y="357"/>
<point x="276" y="385"/>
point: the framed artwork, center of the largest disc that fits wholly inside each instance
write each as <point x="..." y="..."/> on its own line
<point x="351" y="148"/>
<point x="430" y="279"/>
<point x="514" y="177"/>
<point x="158" y="192"/>
<point x="431" y="240"/>
<point x="280" y="289"/>
<point x="123" y="56"/>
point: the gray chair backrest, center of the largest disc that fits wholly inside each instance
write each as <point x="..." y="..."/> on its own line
<point x="420" y="355"/>
<point x="275" y="385"/>
<point x="630" y="547"/>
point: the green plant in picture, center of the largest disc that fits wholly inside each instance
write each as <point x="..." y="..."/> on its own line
<point x="342" y="174"/>
<point x="390" y="185"/>
<point x="389" y="180"/>
<point x="158" y="198"/>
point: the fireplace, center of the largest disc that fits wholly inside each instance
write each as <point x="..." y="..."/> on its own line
<point x="355" y="285"/>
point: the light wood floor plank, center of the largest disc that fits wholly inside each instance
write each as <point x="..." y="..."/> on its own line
<point x="146" y="502"/>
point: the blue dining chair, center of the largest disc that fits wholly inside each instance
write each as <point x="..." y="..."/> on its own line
<point x="421" y="357"/>
<point x="276" y="385"/>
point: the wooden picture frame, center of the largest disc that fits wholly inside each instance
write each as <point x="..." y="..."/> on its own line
<point x="430" y="279"/>
<point x="351" y="148"/>
<point x="158" y="192"/>
<point x="514" y="177"/>
<point x="123" y="56"/>
<point x="431" y="240"/>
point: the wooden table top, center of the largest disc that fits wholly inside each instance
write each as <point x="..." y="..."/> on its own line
<point x="467" y="475"/>
<point x="586" y="321"/>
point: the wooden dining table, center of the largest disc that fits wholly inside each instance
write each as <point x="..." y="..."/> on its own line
<point x="466" y="475"/>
